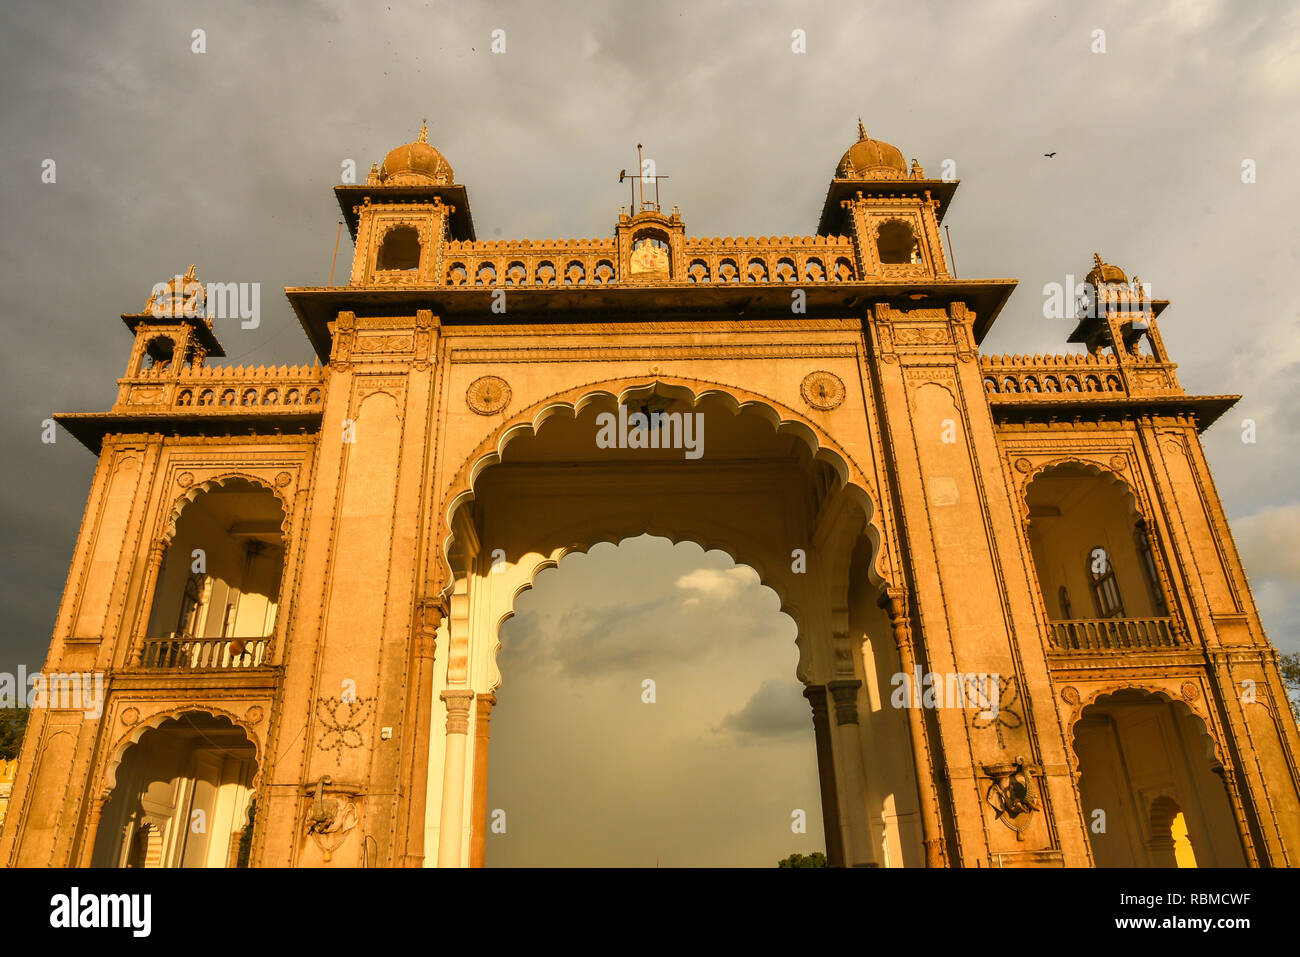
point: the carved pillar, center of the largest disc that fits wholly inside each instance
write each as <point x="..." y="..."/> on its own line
<point x="931" y="827"/>
<point x="453" y="778"/>
<point x="1230" y="777"/>
<point x="816" y="695"/>
<point x="857" y="840"/>
<point x="91" y="834"/>
<point x="157" y="551"/>
<point x="426" y="644"/>
<point x="478" y="809"/>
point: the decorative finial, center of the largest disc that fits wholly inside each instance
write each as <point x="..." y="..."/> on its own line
<point x="424" y="131"/>
<point x="1096" y="260"/>
<point x="862" y="130"/>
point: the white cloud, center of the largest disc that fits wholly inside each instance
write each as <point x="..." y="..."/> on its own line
<point x="1269" y="542"/>
<point x="717" y="584"/>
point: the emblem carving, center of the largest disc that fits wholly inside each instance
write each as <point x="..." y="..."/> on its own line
<point x="921" y="335"/>
<point x="1117" y="462"/>
<point x="822" y="390"/>
<point x="1070" y="694"/>
<point x="130" y="716"/>
<point x="1023" y="465"/>
<point x="328" y="820"/>
<point x="282" y="479"/>
<point x="1190" y="691"/>
<point x="1013" y="794"/>
<point x="185" y="479"/>
<point x="384" y="344"/>
<point x="488" y="395"/>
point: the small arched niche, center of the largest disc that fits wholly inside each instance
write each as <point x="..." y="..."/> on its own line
<point x="651" y="255"/>
<point x="896" y="244"/>
<point x="400" y="249"/>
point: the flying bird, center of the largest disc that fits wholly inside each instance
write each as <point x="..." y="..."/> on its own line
<point x="622" y="175"/>
<point x="1050" y="155"/>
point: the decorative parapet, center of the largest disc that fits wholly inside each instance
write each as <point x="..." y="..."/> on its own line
<point x="595" y="262"/>
<point x="223" y="389"/>
<point x="526" y="262"/>
<point x="807" y="259"/>
<point x="1010" y="375"/>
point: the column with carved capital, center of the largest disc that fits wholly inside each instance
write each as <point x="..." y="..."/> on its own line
<point x="816" y="695"/>
<point x="478" y="810"/>
<point x="91" y="833"/>
<point x="893" y="601"/>
<point x="451" y="824"/>
<point x="853" y="775"/>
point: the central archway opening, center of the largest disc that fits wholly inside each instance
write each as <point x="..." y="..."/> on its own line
<point x="750" y="485"/>
<point x="650" y="714"/>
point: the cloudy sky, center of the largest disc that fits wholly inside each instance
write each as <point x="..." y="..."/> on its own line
<point x="165" y="157"/>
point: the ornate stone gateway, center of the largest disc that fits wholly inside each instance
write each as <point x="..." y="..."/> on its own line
<point x="1043" y="529"/>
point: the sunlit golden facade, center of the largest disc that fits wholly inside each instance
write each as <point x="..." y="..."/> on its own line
<point x="293" y="578"/>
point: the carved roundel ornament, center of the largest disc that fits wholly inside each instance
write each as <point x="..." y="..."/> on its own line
<point x="488" y="395"/>
<point x="822" y="390"/>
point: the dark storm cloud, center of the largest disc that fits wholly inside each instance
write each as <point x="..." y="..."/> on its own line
<point x="582" y="626"/>
<point x="776" y="709"/>
<point x="226" y="160"/>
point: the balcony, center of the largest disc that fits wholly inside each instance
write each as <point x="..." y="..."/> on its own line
<point x="183" y="653"/>
<point x="1092" y="635"/>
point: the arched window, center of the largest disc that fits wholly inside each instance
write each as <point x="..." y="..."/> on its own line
<point x="159" y="352"/>
<point x="896" y="244"/>
<point x="1105" y="589"/>
<point x="400" y="249"/>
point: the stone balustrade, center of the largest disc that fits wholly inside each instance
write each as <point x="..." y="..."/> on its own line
<point x="1087" y="635"/>
<point x="184" y="653"/>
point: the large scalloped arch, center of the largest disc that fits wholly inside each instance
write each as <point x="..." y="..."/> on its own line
<point x="675" y="537"/>
<point x="192" y="493"/>
<point x="572" y="402"/>
<point x="1208" y="734"/>
<point x="1135" y="503"/>
<point x="108" y="777"/>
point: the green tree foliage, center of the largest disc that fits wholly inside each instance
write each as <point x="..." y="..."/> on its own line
<point x="1291" y="678"/>
<point x="815" y="859"/>
<point x="13" y="723"/>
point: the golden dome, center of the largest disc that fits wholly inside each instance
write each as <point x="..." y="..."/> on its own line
<point x="1103" y="272"/>
<point x="415" y="164"/>
<point x="871" y="159"/>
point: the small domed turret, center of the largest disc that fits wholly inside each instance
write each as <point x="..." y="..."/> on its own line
<point x="1103" y="272"/>
<point x="415" y="164"/>
<point x="871" y="159"/>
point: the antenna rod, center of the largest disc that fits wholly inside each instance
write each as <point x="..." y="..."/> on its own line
<point x="337" y="237"/>
<point x="640" y="167"/>
<point x="947" y="229"/>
